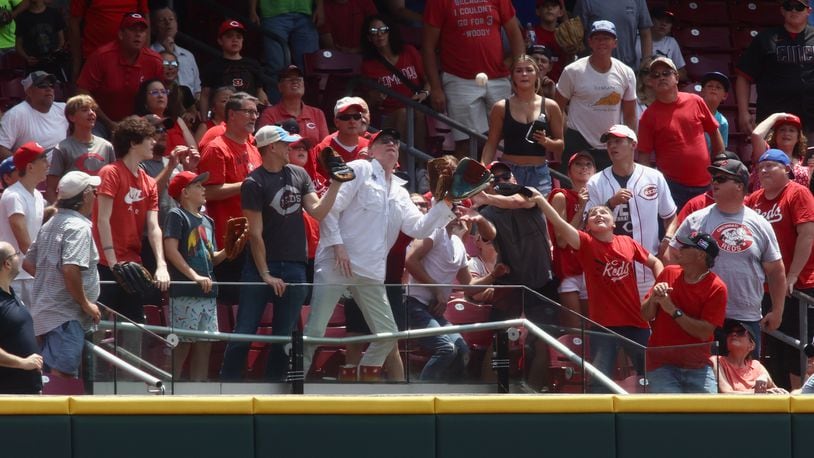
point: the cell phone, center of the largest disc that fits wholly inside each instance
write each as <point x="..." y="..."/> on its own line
<point x="761" y="385"/>
<point x="539" y="124"/>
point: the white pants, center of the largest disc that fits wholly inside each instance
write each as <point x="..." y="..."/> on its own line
<point x="471" y="104"/>
<point x="371" y="297"/>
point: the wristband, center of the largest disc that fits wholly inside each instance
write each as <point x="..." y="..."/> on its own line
<point x="107" y="248"/>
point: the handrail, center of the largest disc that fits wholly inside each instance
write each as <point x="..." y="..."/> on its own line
<point x="126" y="355"/>
<point x="126" y="367"/>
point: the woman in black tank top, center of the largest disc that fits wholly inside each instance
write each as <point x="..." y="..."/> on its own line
<point x="511" y="120"/>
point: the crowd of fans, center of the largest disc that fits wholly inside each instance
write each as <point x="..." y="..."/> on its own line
<point x="659" y="235"/>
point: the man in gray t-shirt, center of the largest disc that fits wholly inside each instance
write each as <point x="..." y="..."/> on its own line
<point x="631" y="18"/>
<point x="749" y="254"/>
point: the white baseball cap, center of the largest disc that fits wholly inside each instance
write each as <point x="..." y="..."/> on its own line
<point x="73" y="183"/>
<point x="273" y="134"/>
<point x="620" y="131"/>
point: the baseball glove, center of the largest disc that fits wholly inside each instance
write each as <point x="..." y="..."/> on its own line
<point x="470" y="178"/>
<point x="439" y="174"/>
<point x="133" y="278"/>
<point x="237" y="234"/>
<point x="333" y="163"/>
<point x="570" y="35"/>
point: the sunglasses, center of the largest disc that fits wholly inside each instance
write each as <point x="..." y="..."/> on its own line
<point x="45" y="86"/>
<point x="720" y="179"/>
<point x="157" y="92"/>
<point x="664" y="73"/>
<point x="794" y="6"/>
<point x="379" y="30"/>
<point x="170" y="63"/>
<point x="348" y="117"/>
<point x="387" y="140"/>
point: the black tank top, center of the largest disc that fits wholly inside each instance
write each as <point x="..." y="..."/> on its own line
<point x="514" y="136"/>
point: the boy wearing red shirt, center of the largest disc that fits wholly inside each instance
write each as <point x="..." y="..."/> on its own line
<point x="613" y="294"/>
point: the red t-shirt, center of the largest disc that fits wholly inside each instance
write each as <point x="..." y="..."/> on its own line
<point x="133" y="196"/>
<point x="613" y="295"/>
<point x="113" y="82"/>
<point x="311" y="234"/>
<point x="227" y="162"/>
<point x="317" y="173"/>
<point x="345" y="20"/>
<point x="794" y="205"/>
<point x="175" y="137"/>
<point x="705" y="300"/>
<point x="102" y="19"/>
<point x="412" y="68"/>
<point x="565" y="260"/>
<point x="546" y="37"/>
<point x="212" y="133"/>
<point x="470" y="39"/>
<point x="696" y="203"/>
<point x="311" y="121"/>
<point x="675" y="132"/>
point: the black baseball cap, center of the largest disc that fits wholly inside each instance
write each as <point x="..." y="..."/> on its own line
<point x="732" y="168"/>
<point x="662" y="13"/>
<point x="731" y="325"/>
<point x="701" y="241"/>
<point x="716" y="76"/>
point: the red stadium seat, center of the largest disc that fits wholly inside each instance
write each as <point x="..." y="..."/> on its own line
<point x="742" y="37"/>
<point x="704" y="37"/>
<point x="701" y="12"/>
<point x="154" y="315"/>
<point x="55" y="385"/>
<point x="11" y="93"/>
<point x="700" y="63"/>
<point x="566" y="375"/>
<point x="756" y="13"/>
<point x="327" y="74"/>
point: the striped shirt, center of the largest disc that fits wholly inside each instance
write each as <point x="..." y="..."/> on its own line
<point x="64" y="239"/>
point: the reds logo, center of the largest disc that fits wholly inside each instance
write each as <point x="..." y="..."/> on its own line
<point x="649" y="192"/>
<point x="616" y="270"/>
<point x="733" y="237"/>
<point x="772" y="215"/>
<point x="310" y="125"/>
<point x="237" y="82"/>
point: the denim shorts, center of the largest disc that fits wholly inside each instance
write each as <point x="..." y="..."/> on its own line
<point x="62" y="347"/>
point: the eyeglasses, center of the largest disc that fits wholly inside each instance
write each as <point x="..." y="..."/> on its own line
<point x="506" y="176"/>
<point x="664" y="73"/>
<point x="90" y="189"/>
<point x="171" y="63"/>
<point x="740" y="332"/>
<point x="348" y="117"/>
<point x="794" y="6"/>
<point x="157" y="92"/>
<point x="45" y="86"/>
<point x="720" y="179"/>
<point x="248" y="111"/>
<point x="16" y="253"/>
<point x="379" y="30"/>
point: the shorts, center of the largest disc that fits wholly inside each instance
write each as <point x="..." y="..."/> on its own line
<point x="195" y="314"/>
<point x="62" y="347"/>
<point x="470" y="104"/>
<point x="536" y="176"/>
<point x="575" y="283"/>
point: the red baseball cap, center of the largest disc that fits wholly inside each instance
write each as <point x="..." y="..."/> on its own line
<point x="230" y="24"/>
<point x="132" y="20"/>
<point x="582" y="154"/>
<point x="500" y="164"/>
<point x="182" y="180"/>
<point x="788" y="119"/>
<point x="27" y="154"/>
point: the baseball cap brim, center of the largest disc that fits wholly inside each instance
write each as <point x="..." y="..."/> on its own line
<point x="391" y="132"/>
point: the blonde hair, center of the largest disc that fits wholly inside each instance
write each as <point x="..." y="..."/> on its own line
<point x="76" y="103"/>
<point x="522" y="59"/>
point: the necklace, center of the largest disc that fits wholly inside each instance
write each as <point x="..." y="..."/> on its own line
<point x="700" y="277"/>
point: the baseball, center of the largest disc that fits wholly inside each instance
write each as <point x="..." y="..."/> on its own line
<point x="481" y="79"/>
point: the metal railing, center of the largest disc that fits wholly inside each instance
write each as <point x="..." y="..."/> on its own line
<point x="804" y="302"/>
<point x="155" y="384"/>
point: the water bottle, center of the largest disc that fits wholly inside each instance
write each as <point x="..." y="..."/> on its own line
<point x="531" y="35"/>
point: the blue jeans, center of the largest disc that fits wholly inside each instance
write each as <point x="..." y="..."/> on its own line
<point x="605" y="348"/>
<point x="298" y="30"/>
<point x="673" y="379"/>
<point x="536" y="176"/>
<point x="253" y="300"/>
<point x="450" y="353"/>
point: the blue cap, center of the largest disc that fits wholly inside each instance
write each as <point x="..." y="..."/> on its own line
<point x="775" y="155"/>
<point x="603" y="27"/>
<point x="7" y="166"/>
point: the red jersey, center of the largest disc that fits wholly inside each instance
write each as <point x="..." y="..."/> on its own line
<point x="346" y="20"/>
<point x="311" y="121"/>
<point x="546" y="37"/>
<point x="311" y="234"/>
<point x="470" y="39"/>
<point x="133" y="196"/>
<point x="114" y="82"/>
<point x="315" y="171"/>
<point x="102" y="19"/>
<point x="565" y="259"/>
<point x="613" y="294"/>
<point x="227" y="162"/>
<point x="411" y="67"/>
<point x="696" y="203"/>
<point x="794" y="205"/>
<point x="705" y="300"/>
<point x="675" y="133"/>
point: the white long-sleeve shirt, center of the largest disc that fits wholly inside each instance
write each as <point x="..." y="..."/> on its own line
<point x="367" y="217"/>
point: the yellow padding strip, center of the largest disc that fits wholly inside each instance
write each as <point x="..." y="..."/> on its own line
<point x="352" y="405"/>
<point x="701" y="404"/>
<point x="523" y="404"/>
<point x="802" y="404"/>
<point x="34" y="405"/>
<point x="161" y="405"/>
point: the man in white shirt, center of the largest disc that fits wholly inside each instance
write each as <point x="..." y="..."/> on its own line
<point x="355" y="238"/>
<point x="36" y="119"/>
<point x="165" y="23"/>
<point x="21" y="210"/>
